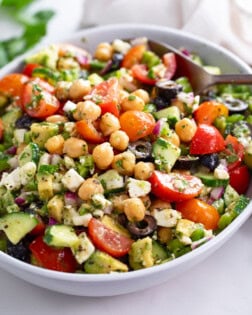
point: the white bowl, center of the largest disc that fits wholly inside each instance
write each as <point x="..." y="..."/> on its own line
<point x="115" y="284"/>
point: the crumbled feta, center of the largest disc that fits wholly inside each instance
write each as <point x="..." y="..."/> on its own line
<point x="166" y="217"/>
<point x="45" y="159"/>
<point x="120" y="46"/>
<point x="138" y="188"/>
<point x="19" y="135"/>
<point x="81" y="220"/>
<point x="72" y="180"/>
<point x="27" y="172"/>
<point x="100" y="202"/>
<point x="184" y="230"/>
<point x="69" y="107"/>
<point x="11" y="181"/>
<point x="69" y="162"/>
<point x="84" y="250"/>
<point x="221" y="172"/>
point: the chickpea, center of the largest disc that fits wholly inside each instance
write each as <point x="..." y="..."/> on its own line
<point x="79" y="88"/>
<point x="173" y="138"/>
<point x="132" y="102"/>
<point x="55" y="144"/>
<point x="109" y="123"/>
<point x="144" y="95"/>
<point x="124" y="163"/>
<point x="56" y="119"/>
<point x="104" y="52"/>
<point x="90" y="187"/>
<point x="75" y="147"/>
<point x="146" y="201"/>
<point x="117" y="201"/>
<point x="87" y="110"/>
<point x="143" y="170"/>
<point x="164" y="234"/>
<point x="67" y="63"/>
<point x="103" y="155"/>
<point x="185" y="129"/>
<point x="122" y="94"/>
<point x="160" y="204"/>
<point x="62" y="90"/>
<point x="119" y="140"/>
<point x="134" y="209"/>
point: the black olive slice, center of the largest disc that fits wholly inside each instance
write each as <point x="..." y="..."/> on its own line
<point x="141" y="149"/>
<point x="142" y="228"/>
<point x="186" y="162"/>
<point x="210" y="160"/>
<point x="168" y="89"/>
<point x="235" y="105"/>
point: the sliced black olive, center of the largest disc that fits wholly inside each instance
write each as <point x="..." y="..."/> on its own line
<point x="160" y="102"/>
<point x="141" y="149"/>
<point x="210" y="160"/>
<point x="142" y="228"/>
<point x="112" y="64"/>
<point x="24" y="122"/>
<point x="168" y="89"/>
<point x="235" y="105"/>
<point x="19" y="251"/>
<point x="122" y="219"/>
<point x="186" y="162"/>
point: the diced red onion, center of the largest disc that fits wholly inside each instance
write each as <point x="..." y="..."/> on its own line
<point x="217" y="193"/>
<point x="158" y="127"/>
<point x="12" y="150"/>
<point x="107" y="68"/>
<point x="52" y="221"/>
<point x="210" y="200"/>
<point x="71" y="199"/>
<point x="20" y="201"/>
<point x="82" y="60"/>
<point x="185" y="52"/>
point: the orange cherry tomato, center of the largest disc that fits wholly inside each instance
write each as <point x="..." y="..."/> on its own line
<point x="133" y="56"/>
<point x="200" y="212"/>
<point x="208" y="111"/>
<point x="1" y="129"/>
<point x="107" y="240"/>
<point x="88" y="131"/>
<point x="137" y="124"/>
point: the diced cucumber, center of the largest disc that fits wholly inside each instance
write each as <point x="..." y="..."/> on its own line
<point x="17" y="224"/>
<point x="112" y="181"/>
<point x="172" y="114"/>
<point x="60" y="235"/>
<point x="47" y="74"/>
<point x="230" y="195"/>
<point x="211" y="181"/>
<point x="165" y="154"/>
<point x="29" y="154"/>
<point x="158" y="252"/>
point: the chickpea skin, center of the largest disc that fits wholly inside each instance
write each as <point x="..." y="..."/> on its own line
<point x="55" y="144"/>
<point x="56" y="119"/>
<point x="144" y="95"/>
<point x="90" y="187"/>
<point x="132" y="102"/>
<point x="185" y="129"/>
<point x="87" y="110"/>
<point x="119" y="140"/>
<point x="104" y="52"/>
<point x="173" y="138"/>
<point x="103" y="155"/>
<point x="79" y="89"/>
<point x="75" y="147"/>
<point x="109" y="123"/>
<point x="134" y="209"/>
<point x="143" y="170"/>
<point x="124" y="163"/>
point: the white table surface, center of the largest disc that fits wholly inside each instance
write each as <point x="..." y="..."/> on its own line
<point x="221" y="285"/>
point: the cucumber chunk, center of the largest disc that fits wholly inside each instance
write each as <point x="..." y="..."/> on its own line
<point x="172" y="114"/>
<point x="29" y="154"/>
<point x="60" y="235"/>
<point x="211" y="181"/>
<point x="16" y="225"/>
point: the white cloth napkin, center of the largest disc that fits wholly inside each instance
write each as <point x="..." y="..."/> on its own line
<point x="221" y="21"/>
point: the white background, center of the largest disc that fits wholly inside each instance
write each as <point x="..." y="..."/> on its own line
<point x="221" y="285"/>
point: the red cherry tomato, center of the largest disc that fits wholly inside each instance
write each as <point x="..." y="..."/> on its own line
<point x="239" y="179"/>
<point x="87" y="130"/>
<point x="29" y="67"/>
<point x="133" y="56"/>
<point x="200" y="212"/>
<point x="52" y="258"/>
<point x="137" y="124"/>
<point x="169" y="60"/>
<point x="1" y="129"/>
<point x="106" y="95"/>
<point x="107" y="240"/>
<point x="38" y="102"/>
<point x="174" y="187"/>
<point x="206" y="140"/>
<point x="140" y="72"/>
<point x="208" y="111"/>
<point x="39" y="228"/>
<point x="234" y="152"/>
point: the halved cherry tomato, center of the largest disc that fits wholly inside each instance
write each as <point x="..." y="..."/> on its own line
<point x="208" y="111"/>
<point x="38" y="102"/>
<point x="107" y="240"/>
<point x="39" y="228"/>
<point x="88" y="131"/>
<point x="200" y="212"/>
<point x="133" y="56"/>
<point x="106" y="95"/>
<point x="12" y="84"/>
<point x="29" y="67"/>
<point x="1" y="129"/>
<point x="174" y="187"/>
<point x="140" y="72"/>
<point x="137" y="124"/>
<point x="52" y="258"/>
<point x="234" y="152"/>
<point x="239" y="179"/>
<point x="169" y="60"/>
<point x="43" y="84"/>
<point x="207" y="139"/>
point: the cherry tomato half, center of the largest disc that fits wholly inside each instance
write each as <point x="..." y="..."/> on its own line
<point x="208" y="111"/>
<point x="234" y="152"/>
<point x="207" y="139"/>
<point x="137" y="124"/>
<point x="29" y="67"/>
<point x="174" y="187"/>
<point x="133" y="56"/>
<point x="239" y="179"/>
<point x="13" y="84"/>
<point x="169" y="60"/>
<point x="88" y="131"/>
<point x="107" y="240"/>
<point x="140" y="72"/>
<point x="52" y="258"/>
<point x="106" y="95"/>
<point x="200" y="212"/>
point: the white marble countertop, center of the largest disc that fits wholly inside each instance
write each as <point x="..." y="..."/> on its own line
<point x="221" y="285"/>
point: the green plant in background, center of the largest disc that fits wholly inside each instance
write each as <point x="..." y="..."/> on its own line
<point x="34" y="27"/>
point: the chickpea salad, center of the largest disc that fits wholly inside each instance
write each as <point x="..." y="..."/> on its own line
<point x="110" y="163"/>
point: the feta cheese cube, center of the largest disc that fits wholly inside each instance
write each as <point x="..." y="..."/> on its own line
<point x="138" y="188"/>
<point x="84" y="250"/>
<point x="72" y="180"/>
<point x="166" y="217"/>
